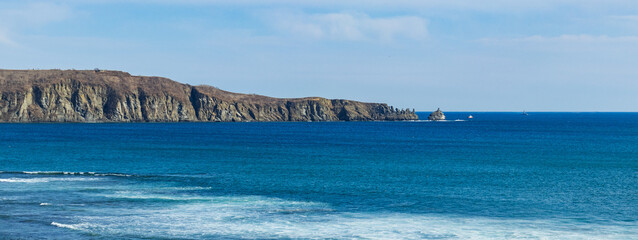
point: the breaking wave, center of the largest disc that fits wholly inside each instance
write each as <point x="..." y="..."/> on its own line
<point x="70" y="173"/>
<point x="257" y="217"/>
<point x="44" y="180"/>
<point x="211" y="220"/>
<point x="81" y="226"/>
<point x="158" y="210"/>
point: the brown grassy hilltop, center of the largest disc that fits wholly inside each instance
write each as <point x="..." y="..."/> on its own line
<point x="114" y="96"/>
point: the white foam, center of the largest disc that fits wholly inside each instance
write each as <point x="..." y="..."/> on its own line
<point x="259" y="217"/>
<point x="255" y="217"/>
<point x="44" y="180"/>
<point x="78" y="173"/>
<point x="69" y="226"/>
<point x="45" y="204"/>
<point x="179" y="223"/>
<point x="39" y="172"/>
<point x="141" y="195"/>
<point x="184" y="188"/>
<point x="439" y="121"/>
<point x="74" y="173"/>
<point x="21" y="180"/>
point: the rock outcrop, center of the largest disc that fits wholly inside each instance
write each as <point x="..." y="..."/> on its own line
<point x="436" y="115"/>
<point x="113" y="96"/>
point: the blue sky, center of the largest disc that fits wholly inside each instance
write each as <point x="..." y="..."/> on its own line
<point x="491" y="55"/>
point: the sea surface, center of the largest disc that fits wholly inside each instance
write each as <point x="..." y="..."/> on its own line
<point x="497" y="176"/>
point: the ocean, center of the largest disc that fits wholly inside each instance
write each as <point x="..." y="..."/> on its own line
<point x="497" y="176"/>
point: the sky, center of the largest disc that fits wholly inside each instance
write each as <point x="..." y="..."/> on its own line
<point x="489" y="55"/>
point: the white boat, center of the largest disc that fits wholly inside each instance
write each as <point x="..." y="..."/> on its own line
<point x="470" y="117"/>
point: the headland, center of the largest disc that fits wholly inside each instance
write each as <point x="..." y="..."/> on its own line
<point x="115" y="96"/>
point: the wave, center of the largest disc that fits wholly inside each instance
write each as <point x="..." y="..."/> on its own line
<point x="61" y="173"/>
<point x="44" y="180"/>
<point x="22" y="180"/>
<point x="182" y="214"/>
<point x="183" y="188"/>
<point x="70" y="226"/>
<point x="70" y="173"/>
<point x="57" y="173"/>
<point x="259" y="217"/>
<point x="457" y="120"/>
<point x="202" y="220"/>
<point x="151" y="197"/>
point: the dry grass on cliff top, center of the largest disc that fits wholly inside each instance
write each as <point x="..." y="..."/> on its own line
<point x="123" y="82"/>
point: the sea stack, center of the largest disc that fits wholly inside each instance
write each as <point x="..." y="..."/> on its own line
<point x="436" y="115"/>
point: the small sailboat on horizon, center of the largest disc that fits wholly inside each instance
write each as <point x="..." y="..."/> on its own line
<point x="524" y="113"/>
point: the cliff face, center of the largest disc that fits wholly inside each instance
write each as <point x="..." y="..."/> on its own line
<point x="111" y="96"/>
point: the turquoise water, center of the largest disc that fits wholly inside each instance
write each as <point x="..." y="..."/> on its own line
<point x="497" y="176"/>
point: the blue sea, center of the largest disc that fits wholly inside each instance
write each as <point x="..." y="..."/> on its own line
<point x="497" y="176"/>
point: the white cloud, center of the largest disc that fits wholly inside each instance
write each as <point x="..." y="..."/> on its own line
<point x="483" y="5"/>
<point x="351" y="27"/>
<point x="582" y="38"/>
<point x="632" y="18"/>
<point x="14" y="20"/>
<point x="5" y="40"/>
<point x="34" y="14"/>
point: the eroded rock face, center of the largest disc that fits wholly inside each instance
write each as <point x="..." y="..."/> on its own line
<point x="436" y="115"/>
<point x="112" y="96"/>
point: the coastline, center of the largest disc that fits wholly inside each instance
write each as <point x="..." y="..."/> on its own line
<point x="113" y="96"/>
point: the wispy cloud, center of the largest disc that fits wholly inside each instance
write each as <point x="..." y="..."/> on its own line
<point x="486" y="5"/>
<point x="351" y="26"/>
<point x="582" y="38"/>
<point x="35" y="14"/>
<point x="5" y="40"/>
<point x="632" y="18"/>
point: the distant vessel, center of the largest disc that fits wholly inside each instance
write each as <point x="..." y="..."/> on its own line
<point x="524" y="113"/>
<point x="470" y="117"/>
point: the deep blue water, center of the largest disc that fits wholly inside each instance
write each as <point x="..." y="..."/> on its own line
<point x="497" y="176"/>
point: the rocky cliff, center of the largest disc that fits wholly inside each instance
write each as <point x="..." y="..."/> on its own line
<point x="113" y="96"/>
<point x="437" y="115"/>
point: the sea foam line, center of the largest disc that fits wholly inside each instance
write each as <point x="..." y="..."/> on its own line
<point x="44" y="180"/>
<point x="259" y="217"/>
<point x="205" y="219"/>
<point x="69" y="226"/>
<point x="67" y="173"/>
